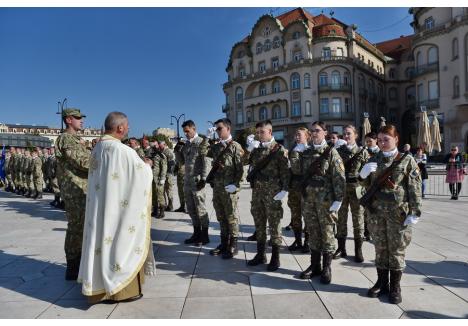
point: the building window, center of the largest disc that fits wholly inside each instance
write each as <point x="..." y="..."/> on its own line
<point x="276" y="42"/>
<point x="326" y="53"/>
<point x="332" y="32"/>
<point x="419" y="59"/>
<point x="276" y="112"/>
<point x="306" y="81"/>
<point x="276" y="86"/>
<point x="262" y="66"/>
<point x="456" y="87"/>
<point x="240" y="54"/>
<point x="347" y="105"/>
<point x="391" y="73"/>
<point x="267" y="45"/>
<point x="420" y="93"/>
<point x="275" y="62"/>
<point x="433" y="90"/>
<point x="323" y="79"/>
<point x="346" y="79"/>
<point x="296" y="109"/>
<point x="429" y="23"/>
<point x="454" y="48"/>
<point x="336" y="105"/>
<point x="335" y="79"/>
<point x="296" y="35"/>
<point x="259" y="47"/>
<point x="262" y="90"/>
<point x="263" y="114"/>
<point x="239" y="94"/>
<point x="297" y="56"/>
<point x="432" y="55"/>
<point x="295" y="81"/>
<point x="249" y="116"/>
<point x="266" y="31"/>
<point x="241" y="71"/>
<point x="240" y="117"/>
<point x="392" y="93"/>
<point x="339" y="52"/>
<point x="324" y="105"/>
<point x="308" y="109"/>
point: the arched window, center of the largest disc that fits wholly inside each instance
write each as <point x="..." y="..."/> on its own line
<point x="295" y="81"/>
<point x="419" y="59"/>
<point x="323" y="79"/>
<point x="262" y="114"/>
<point x="432" y="55"/>
<point x="276" y="88"/>
<point x="276" y="42"/>
<point x="306" y="81"/>
<point x="249" y="116"/>
<point x="455" y="48"/>
<point x="259" y="47"/>
<point x="276" y="112"/>
<point x="391" y="73"/>
<point x="296" y="35"/>
<point x="267" y="45"/>
<point x="346" y="78"/>
<point x="456" y="87"/>
<point x="361" y="81"/>
<point x="297" y="56"/>
<point x="240" y="54"/>
<point x="392" y="93"/>
<point x="262" y="90"/>
<point x="239" y="94"/>
<point x="335" y="79"/>
<point x="308" y="108"/>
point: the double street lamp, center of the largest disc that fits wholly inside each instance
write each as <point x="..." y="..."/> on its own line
<point x="60" y="109"/>
<point x="177" y="122"/>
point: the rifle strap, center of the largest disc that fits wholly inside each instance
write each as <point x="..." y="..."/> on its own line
<point x="395" y="163"/>
<point x="268" y="158"/>
<point x="220" y="157"/>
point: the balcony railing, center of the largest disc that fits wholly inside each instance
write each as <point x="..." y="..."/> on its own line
<point x="226" y="108"/>
<point x="335" y="87"/>
<point x="429" y="104"/>
<point x="341" y="115"/>
<point x="425" y="69"/>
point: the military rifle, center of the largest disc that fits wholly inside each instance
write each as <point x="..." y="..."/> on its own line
<point x="314" y="169"/>
<point x="262" y="164"/>
<point x="217" y="165"/>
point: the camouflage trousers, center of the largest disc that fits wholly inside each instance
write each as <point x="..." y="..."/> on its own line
<point x="390" y="237"/>
<point x="75" y="214"/>
<point x="225" y="205"/>
<point x="9" y="180"/>
<point x="196" y="208"/>
<point x="54" y="184"/>
<point x="29" y="182"/>
<point x="38" y="183"/>
<point x="295" y="204"/>
<point x="157" y="196"/>
<point x="320" y="224"/>
<point x="350" y="199"/>
<point x="264" y="209"/>
<point x="180" y="187"/>
<point x="169" y="188"/>
<point x="18" y="180"/>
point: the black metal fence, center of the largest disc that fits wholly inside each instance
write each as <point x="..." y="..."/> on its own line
<point x="436" y="185"/>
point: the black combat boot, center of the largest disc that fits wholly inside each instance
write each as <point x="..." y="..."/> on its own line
<point x="297" y="244"/>
<point x="231" y="250"/>
<point x="260" y="257"/>
<point x="73" y="267"/>
<point x="275" y="258"/>
<point x="39" y="195"/>
<point x="253" y="237"/>
<point x="181" y="209"/>
<point x="305" y="246"/>
<point x="61" y="204"/>
<point x="195" y="238"/>
<point x="204" y="239"/>
<point x="221" y="248"/>
<point x="55" y="202"/>
<point x="341" y="251"/>
<point x="366" y="232"/>
<point x="160" y="212"/>
<point x="358" y="257"/>
<point x="395" y="290"/>
<point x="326" y="276"/>
<point x="381" y="286"/>
<point x="18" y="191"/>
<point x="169" y="207"/>
<point x="27" y="194"/>
<point x="315" y="268"/>
<point x="34" y="194"/>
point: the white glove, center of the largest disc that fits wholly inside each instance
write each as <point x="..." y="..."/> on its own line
<point x="231" y="189"/>
<point x="300" y="148"/>
<point x="252" y="145"/>
<point x="340" y="142"/>
<point x="368" y="169"/>
<point x="280" y="195"/>
<point x="161" y="182"/>
<point x="210" y="132"/>
<point x="250" y="139"/>
<point x="411" y="219"/>
<point x="335" y="206"/>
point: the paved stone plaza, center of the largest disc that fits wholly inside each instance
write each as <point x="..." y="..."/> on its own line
<point x="192" y="284"/>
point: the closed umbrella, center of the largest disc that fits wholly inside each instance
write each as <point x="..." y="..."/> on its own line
<point x="424" y="133"/>
<point x="435" y="133"/>
<point x="366" y="128"/>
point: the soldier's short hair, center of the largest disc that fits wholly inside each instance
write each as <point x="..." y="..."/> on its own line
<point x="114" y="119"/>
<point x="321" y="124"/>
<point x="188" y="123"/>
<point x="263" y="124"/>
<point x="224" y="121"/>
<point x="351" y="127"/>
<point x="371" y="134"/>
<point x="161" y="142"/>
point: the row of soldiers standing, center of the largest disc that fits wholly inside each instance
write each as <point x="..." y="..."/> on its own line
<point x="30" y="172"/>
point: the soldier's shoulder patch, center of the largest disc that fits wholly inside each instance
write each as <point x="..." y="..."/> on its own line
<point x="339" y="164"/>
<point x="415" y="172"/>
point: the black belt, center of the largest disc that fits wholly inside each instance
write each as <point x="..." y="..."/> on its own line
<point x="315" y="183"/>
<point x="351" y="179"/>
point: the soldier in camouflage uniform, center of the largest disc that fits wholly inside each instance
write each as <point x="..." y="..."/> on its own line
<point x="159" y="179"/>
<point x="37" y="176"/>
<point x="225" y="176"/>
<point x="52" y="174"/>
<point x="9" y="169"/>
<point x="180" y="171"/>
<point x="146" y="148"/>
<point x="394" y="210"/>
<point x="324" y="178"/>
<point x="18" y="174"/>
<point x="135" y="144"/>
<point x="372" y="150"/>
<point x="45" y="161"/>
<point x="27" y="173"/>
<point x="269" y="186"/>
<point x="354" y="158"/>
<point x="169" y="185"/>
<point x="196" y="170"/>
<point x="295" y="190"/>
<point x="72" y="173"/>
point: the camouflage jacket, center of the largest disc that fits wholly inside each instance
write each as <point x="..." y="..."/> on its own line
<point x="194" y="157"/>
<point x="159" y="167"/>
<point x="18" y="163"/>
<point x="346" y="154"/>
<point x="6" y="164"/>
<point x="28" y="165"/>
<point x="407" y="179"/>
<point x="276" y="173"/>
<point x="37" y="168"/>
<point x="295" y="170"/>
<point x="170" y="159"/>
<point x="231" y="169"/>
<point x="140" y="152"/>
<point x="328" y="183"/>
<point x="73" y="160"/>
<point x="52" y="167"/>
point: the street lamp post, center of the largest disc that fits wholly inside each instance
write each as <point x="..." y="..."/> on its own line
<point x="60" y="109"/>
<point x="177" y="122"/>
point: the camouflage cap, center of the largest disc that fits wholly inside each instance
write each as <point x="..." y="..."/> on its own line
<point x="72" y="112"/>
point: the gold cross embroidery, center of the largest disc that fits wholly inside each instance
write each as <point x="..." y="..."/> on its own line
<point x="143" y="215"/>
<point x="115" y="176"/>
<point x="116" y="268"/>
<point x="139" y="166"/>
<point x="131" y="229"/>
<point x="97" y="251"/>
<point x="124" y="203"/>
<point x="97" y="187"/>
<point x="138" y="250"/>
<point x="108" y="240"/>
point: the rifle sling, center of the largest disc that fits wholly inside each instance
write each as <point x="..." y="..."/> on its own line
<point x="260" y="165"/>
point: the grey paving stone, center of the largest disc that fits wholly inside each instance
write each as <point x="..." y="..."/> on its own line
<point x="175" y="265"/>
<point x="277" y="283"/>
<point x="79" y="308"/>
<point x="166" y="286"/>
<point x="22" y="309"/>
<point x="219" y="285"/>
<point x="149" y="308"/>
<point x="219" y="307"/>
<point x="442" y="272"/>
<point x="460" y="289"/>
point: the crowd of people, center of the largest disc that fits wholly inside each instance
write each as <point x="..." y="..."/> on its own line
<point x="112" y="190"/>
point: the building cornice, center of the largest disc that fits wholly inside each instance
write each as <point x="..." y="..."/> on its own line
<point x="441" y="29"/>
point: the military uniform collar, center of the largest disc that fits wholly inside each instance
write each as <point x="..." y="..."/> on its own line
<point x="227" y="141"/>
<point x="191" y="140"/>
<point x="321" y="146"/>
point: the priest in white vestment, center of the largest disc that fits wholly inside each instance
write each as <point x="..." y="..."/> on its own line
<point x="117" y="248"/>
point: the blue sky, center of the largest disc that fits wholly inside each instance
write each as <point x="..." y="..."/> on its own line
<point x="150" y="63"/>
